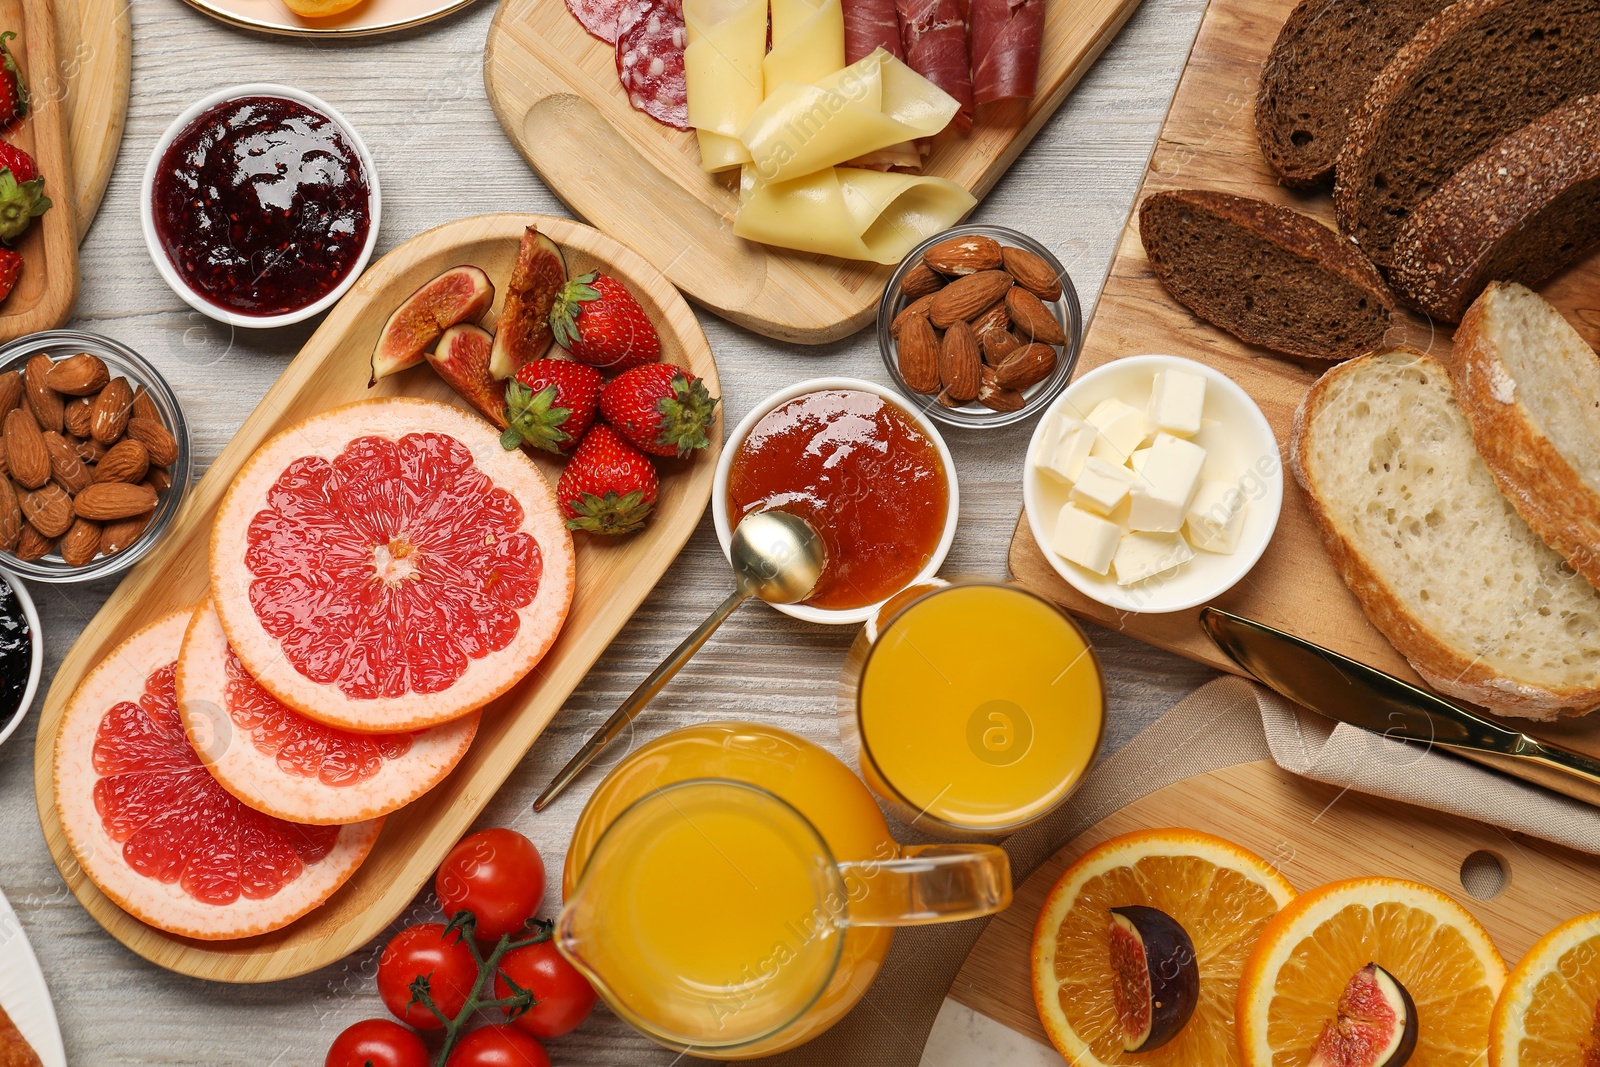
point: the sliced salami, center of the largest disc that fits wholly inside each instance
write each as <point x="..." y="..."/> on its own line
<point x="599" y="17"/>
<point x="650" y="43"/>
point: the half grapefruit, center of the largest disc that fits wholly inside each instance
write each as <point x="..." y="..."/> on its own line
<point x="156" y="833"/>
<point x="286" y="765"/>
<point x="388" y="566"/>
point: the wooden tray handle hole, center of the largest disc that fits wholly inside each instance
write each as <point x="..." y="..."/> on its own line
<point x="1485" y="875"/>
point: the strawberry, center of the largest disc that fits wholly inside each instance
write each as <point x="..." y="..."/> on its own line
<point x="599" y="322"/>
<point x="659" y="408"/>
<point x="10" y="269"/>
<point x="551" y="404"/>
<point x="22" y="196"/>
<point x="18" y="162"/>
<point x="13" y="94"/>
<point x="609" y="486"/>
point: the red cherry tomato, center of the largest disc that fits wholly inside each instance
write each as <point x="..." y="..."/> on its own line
<point x="377" y="1043"/>
<point x="563" y="996"/>
<point x="495" y="874"/>
<point x="444" y="958"/>
<point x="498" y="1046"/>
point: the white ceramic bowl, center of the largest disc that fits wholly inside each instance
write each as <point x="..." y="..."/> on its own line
<point x="1239" y="444"/>
<point x="719" y="487"/>
<point x="159" y="255"/>
<point x="36" y="650"/>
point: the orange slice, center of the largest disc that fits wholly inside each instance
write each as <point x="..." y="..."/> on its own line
<point x="1308" y="955"/>
<point x="1548" y="1015"/>
<point x="1222" y="895"/>
<point x="283" y="764"/>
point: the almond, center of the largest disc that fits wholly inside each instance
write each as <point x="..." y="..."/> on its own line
<point x="963" y="255"/>
<point x="81" y="543"/>
<point x="127" y="461"/>
<point x="32" y="544"/>
<point x="1029" y="365"/>
<point x="10" y="516"/>
<point x="89" y="450"/>
<point x="959" y="362"/>
<point x="78" y="375"/>
<point x="143" y="406"/>
<point x="996" y="318"/>
<point x="10" y="391"/>
<point x="48" y="510"/>
<point x="992" y="396"/>
<point x="108" y="417"/>
<point x="110" y="501"/>
<point x="917" y="307"/>
<point x="26" y="457"/>
<point x="1031" y="320"/>
<point x="966" y="297"/>
<point x="43" y="400"/>
<point x="920" y="281"/>
<point x="157" y="440"/>
<point x="1032" y="273"/>
<point x="998" y="345"/>
<point x="159" y="479"/>
<point x="76" y="415"/>
<point x="66" y="466"/>
<point x="116" y="536"/>
<point x="919" y="356"/>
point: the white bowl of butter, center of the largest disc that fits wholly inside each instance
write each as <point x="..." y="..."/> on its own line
<point x="1153" y="484"/>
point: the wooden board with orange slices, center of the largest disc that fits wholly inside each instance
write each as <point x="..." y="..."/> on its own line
<point x="611" y="580"/>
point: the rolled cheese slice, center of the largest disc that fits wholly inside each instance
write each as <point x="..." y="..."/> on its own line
<point x="872" y="104"/>
<point x="722" y="64"/>
<point x="849" y="213"/>
<point x="807" y="42"/>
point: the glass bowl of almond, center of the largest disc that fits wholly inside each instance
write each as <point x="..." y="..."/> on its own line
<point x="980" y="325"/>
<point x="94" y="456"/>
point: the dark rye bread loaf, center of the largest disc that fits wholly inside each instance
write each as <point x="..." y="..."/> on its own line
<point x="1475" y="72"/>
<point x="1325" y="58"/>
<point x="1266" y="274"/>
<point x="1520" y="212"/>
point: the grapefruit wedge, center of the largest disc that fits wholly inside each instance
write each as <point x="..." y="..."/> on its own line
<point x="387" y="566"/>
<point x="156" y="833"/>
<point x="283" y="764"/>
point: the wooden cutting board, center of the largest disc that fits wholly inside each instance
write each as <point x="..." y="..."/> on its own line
<point x="1314" y="834"/>
<point x="613" y="579"/>
<point x="95" y="38"/>
<point x="555" y="91"/>
<point x="1209" y="141"/>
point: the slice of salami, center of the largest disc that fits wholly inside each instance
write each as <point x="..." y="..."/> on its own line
<point x="599" y="17"/>
<point x="650" y="43"/>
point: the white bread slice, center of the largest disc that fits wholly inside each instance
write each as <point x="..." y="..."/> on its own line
<point x="1530" y="387"/>
<point x="1439" y="559"/>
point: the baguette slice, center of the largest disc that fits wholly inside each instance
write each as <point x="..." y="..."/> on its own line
<point x="1520" y="212"/>
<point x="1439" y="559"/>
<point x="1475" y="72"/>
<point x="1325" y="58"/>
<point x="1530" y="387"/>
<point x="1266" y="274"/>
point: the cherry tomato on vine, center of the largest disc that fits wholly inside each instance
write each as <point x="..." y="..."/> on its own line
<point x="377" y="1043"/>
<point x="498" y="1046"/>
<point x="563" y="996"/>
<point x="444" y="958"/>
<point x="495" y="874"/>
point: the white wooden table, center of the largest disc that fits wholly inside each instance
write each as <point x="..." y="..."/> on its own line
<point x="418" y="99"/>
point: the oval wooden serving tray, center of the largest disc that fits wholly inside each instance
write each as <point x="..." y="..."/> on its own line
<point x="95" y="38"/>
<point x="613" y="579"/>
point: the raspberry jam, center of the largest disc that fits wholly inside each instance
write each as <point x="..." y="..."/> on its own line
<point x="262" y="205"/>
<point x="859" y="470"/>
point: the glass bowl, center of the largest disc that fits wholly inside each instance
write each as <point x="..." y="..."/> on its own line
<point x="1039" y="395"/>
<point x="124" y="361"/>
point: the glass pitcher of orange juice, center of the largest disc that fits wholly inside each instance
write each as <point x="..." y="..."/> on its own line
<point x="731" y="890"/>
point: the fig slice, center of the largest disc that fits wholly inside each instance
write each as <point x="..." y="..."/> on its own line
<point x="522" y="332"/>
<point x="1374" y="1025"/>
<point x="460" y="294"/>
<point x="462" y="360"/>
<point x="1156" y="976"/>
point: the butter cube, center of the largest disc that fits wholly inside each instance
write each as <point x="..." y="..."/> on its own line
<point x="1215" y="517"/>
<point x="1145" y="555"/>
<point x="1166" y="484"/>
<point x="1122" y="427"/>
<point x="1085" y="539"/>
<point x="1136" y="461"/>
<point x="1101" y="486"/>
<point x="1063" y="454"/>
<point x="1177" y="402"/>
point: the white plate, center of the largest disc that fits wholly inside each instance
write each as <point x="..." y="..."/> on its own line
<point x="23" y="993"/>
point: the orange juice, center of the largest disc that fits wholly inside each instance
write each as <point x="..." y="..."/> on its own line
<point x="978" y="708"/>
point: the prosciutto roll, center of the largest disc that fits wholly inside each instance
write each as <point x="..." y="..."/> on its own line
<point x="1006" y="36"/>
<point x="869" y="25"/>
<point x="935" y="39"/>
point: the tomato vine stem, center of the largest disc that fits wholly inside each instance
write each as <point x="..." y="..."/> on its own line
<point x="462" y="924"/>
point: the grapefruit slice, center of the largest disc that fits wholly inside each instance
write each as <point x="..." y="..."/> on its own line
<point x="156" y="833"/>
<point x="286" y="765"/>
<point x="388" y="566"/>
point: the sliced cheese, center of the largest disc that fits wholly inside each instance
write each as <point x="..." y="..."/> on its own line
<point x="870" y="105"/>
<point x="807" y="42"/>
<point x="722" y="64"/>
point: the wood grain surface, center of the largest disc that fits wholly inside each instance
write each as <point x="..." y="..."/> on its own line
<point x="95" y="39"/>
<point x="1209" y="141"/>
<point x="556" y="91"/>
<point x="613" y="577"/>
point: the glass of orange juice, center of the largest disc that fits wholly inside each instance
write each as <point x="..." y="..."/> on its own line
<point x="975" y="707"/>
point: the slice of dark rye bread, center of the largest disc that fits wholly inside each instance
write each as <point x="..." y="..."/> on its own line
<point x="1325" y="58"/>
<point x="1473" y="73"/>
<point x="1520" y="212"/>
<point x="1266" y="274"/>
